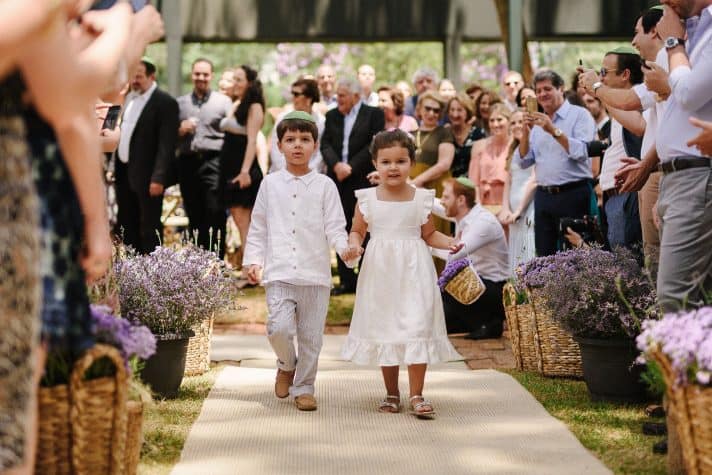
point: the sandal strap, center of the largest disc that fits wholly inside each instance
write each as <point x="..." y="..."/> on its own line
<point x="418" y="405"/>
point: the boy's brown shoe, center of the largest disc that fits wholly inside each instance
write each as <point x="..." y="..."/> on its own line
<point x="305" y="402"/>
<point x="283" y="382"/>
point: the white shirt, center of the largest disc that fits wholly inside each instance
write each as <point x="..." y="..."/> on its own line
<point x="295" y="220"/>
<point x="612" y="157"/>
<point x="691" y="92"/>
<point x="276" y="158"/>
<point x="349" y="121"/>
<point x="652" y="105"/>
<point x="134" y="108"/>
<point x="485" y="242"/>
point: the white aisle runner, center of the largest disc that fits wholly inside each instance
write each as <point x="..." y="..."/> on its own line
<point x="487" y="423"/>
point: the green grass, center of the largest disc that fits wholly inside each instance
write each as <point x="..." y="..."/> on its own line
<point x="253" y="309"/>
<point x="611" y="431"/>
<point x="167" y="422"/>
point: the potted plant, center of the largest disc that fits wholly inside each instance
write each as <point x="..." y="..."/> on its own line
<point x="598" y="297"/>
<point x="170" y="291"/>
<point x="681" y="344"/>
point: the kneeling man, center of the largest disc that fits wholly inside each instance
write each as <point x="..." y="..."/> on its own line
<point x="486" y="247"/>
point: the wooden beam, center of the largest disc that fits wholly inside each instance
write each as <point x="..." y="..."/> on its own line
<point x="502" y="7"/>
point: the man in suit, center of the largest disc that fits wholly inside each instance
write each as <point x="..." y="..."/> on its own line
<point x="145" y="159"/>
<point x="347" y="135"/>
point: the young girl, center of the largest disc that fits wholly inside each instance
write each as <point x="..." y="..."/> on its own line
<point x="398" y="314"/>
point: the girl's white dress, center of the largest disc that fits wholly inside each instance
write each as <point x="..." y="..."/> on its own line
<point x="398" y="315"/>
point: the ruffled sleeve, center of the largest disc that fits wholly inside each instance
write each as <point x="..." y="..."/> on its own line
<point x="363" y="198"/>
<point x="426" y="198"/>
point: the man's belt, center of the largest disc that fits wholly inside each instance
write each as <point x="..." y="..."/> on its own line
<point x="611" y="192"/>
<point x="565" y="187"/>
<point x="683" y="163"/>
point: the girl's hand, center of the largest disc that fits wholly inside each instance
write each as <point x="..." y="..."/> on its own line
<point x="243" y="179"/>
<point x="373" y="178"/>
<point x="253" y="274"/>
<point x="351" y="253"/>
<point x="456" y="246"/>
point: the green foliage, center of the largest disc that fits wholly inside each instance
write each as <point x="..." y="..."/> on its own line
<point x="653" y="378"/>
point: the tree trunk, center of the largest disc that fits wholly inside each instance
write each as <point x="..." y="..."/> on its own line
<point x="503" y="16"/>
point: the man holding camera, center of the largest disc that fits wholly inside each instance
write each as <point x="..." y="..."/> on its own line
<point x="556" y="142"/>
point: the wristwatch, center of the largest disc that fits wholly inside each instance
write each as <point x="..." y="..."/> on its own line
<point x="558" y="133"/>
<point x="671" y="42"/>
<point x="595" y="86"/>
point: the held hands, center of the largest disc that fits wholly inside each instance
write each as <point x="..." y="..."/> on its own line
<point x="351" y="253"/>
<point x="254" y="274"/>
<point x="243" y="179"/>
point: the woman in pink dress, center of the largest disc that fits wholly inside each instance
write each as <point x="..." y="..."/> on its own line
<point x="488" y="163"/>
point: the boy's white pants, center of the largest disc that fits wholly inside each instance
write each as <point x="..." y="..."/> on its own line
<point x="297" y="310"/>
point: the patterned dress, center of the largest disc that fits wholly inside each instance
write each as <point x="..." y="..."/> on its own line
<point x="66" y="321"/>
<point x="19" y="276"/>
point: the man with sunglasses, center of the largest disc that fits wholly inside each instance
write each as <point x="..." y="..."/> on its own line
<point x="305" y="94"/>
<point x="555" y="141"/>
<point x="513" y="82"/>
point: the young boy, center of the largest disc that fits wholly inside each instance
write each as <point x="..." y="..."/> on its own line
<point x="296" y="219"/>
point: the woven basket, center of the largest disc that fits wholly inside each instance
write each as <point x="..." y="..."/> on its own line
<point x="197" y="360"/>
<point x="82" y="426"/>
<point x="522" y="330"/>
<point x="466" y="286"/>
<point x="134" y="437"/>
<point x="691" y="409"/>
<point x="559" y="353"/>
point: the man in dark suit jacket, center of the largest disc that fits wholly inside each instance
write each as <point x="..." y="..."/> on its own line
<point x="145" y="159"/>
<point x="347" y="135"/>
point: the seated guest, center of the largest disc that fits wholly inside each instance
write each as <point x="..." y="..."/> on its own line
<point x="486" y="246"/>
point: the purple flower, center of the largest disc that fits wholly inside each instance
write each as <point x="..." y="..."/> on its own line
<point x="591" y="292"/>
<point x="686" y="339"/>
<point x="451" y="270"/>
<point x="130" y="339"/>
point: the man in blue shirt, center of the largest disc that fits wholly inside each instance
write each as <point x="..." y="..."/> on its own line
<point x="556" y="143"/>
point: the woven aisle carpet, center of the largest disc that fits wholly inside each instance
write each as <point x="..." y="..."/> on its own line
<point x="487" y="424"/>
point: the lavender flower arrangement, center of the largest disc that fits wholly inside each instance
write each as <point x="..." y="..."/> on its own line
<point x="686" y="339"/>
<point x="132" y="340"/>
<point x="451" y="270"/>
<point x="171" y="290"/>
<point x="593" y="293"/>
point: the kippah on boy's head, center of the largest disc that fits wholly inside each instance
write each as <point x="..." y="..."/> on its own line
<point x="297" y="121"/>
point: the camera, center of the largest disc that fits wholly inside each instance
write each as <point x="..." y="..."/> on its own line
<point x="587" y="227"/>
<point x="596" y="148"/>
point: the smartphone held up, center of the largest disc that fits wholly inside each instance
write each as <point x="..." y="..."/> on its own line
<point x="532" y="105"/>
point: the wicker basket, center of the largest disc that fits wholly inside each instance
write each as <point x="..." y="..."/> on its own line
<point x="522" y="331"/>
<point x="134" y="437"/>
<point x="466" y="286"/>
<point x="690" y="408"/>
<point x="197" y="360"/>
<point x="82" y="426"/>
<point x="559" y="353"/>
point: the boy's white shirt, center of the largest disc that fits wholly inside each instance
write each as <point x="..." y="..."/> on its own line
<point x="295" y="221"/>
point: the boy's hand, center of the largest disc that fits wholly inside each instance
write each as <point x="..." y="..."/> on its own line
<point x="254" y="274"/>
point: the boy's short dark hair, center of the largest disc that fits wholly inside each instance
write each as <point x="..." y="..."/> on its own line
<point x="299" y="125"/>
<point x="392" y="138"/>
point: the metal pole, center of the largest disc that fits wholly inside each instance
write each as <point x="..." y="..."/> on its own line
<point x="515" y="39"/>
<point x="172" y="19"/>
